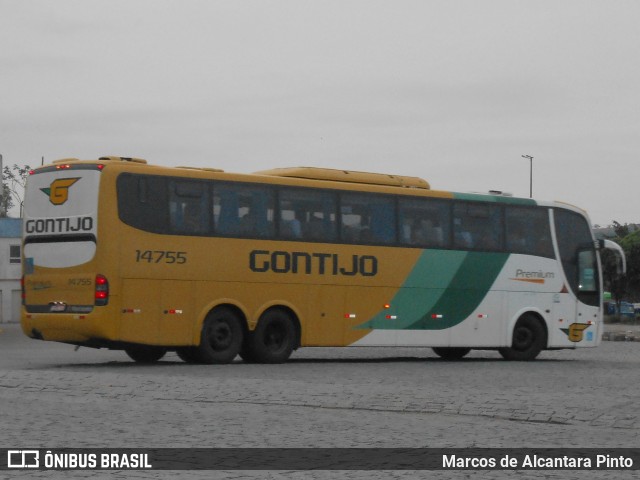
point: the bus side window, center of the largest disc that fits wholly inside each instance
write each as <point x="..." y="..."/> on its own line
<point x="307" y="215"/>
<point x="187" y="211"/>
<point x="193" y="218"/>
<point x="477" y="226"/>
<point x="527" y="231"/>
<point x="243" y="210"/>
<point x="424" y="222"/>
<point x="383" y="221"/>
<point x="143" y="202"/>
<point x="462" y="236"/>
<point x="587" y="268"/>
<point x="259" y="219"/>
<point x="367" y="219"/>
<point x="225" y="211"/>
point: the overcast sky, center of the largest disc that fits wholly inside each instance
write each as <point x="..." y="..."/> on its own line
<point x="454" y="91"/>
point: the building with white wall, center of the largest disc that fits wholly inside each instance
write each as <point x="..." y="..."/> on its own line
<point x="10" y="269"/>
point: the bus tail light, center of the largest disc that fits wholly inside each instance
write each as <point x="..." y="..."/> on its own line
<point x="102" y="290"/>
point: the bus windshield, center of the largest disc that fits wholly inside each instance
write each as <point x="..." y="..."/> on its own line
<point x="578" y="255"/>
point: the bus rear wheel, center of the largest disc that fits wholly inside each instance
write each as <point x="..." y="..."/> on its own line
<point x="451" y="353"/>
<point x="529" y="338"/>
<point x="220" y="339"/>
<point x="273" y="340"/>
<point x="145" y="353"/>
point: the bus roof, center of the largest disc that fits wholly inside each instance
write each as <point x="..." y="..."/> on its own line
<point x="388" y="182"/>
<point x="334" y="175"/>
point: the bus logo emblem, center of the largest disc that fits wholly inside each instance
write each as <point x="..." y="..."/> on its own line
<point x="575" y="331"/>
<point x="58" y="191"/>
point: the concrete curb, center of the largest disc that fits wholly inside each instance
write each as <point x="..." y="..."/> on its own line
<point x="628" y="336"/>
<point x="621" y="332"/>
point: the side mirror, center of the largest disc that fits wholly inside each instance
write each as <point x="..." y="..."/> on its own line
<point x="609" y="245"/>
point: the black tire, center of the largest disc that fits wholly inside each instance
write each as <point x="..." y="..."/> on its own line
<point x="145" y="353"/>
<point x="246" y="353"/>
<point x="220" y="339"/>
<point x="273" y="340"/>
<point x="188" y="354"/>
<point x="451" y="353"/>
<point x="529" y="338"/>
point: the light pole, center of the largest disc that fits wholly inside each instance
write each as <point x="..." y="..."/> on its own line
<point x="530" y="174"/>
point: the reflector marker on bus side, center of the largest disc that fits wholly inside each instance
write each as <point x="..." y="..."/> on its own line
<point x="131" y="310"/>
<point x="483" y="315"/>
<point x="350" y="315"/>
<point x="436" y="316"/>
<point x="387" y="306"/>
<point x="173" y="311"/>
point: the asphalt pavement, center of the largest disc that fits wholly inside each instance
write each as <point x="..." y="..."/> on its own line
<point x="54" y="396"/>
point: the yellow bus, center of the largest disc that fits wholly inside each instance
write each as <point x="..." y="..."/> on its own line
<point x="121" y="254"/>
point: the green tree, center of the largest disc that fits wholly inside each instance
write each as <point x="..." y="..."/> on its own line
<point x="631" y="246"/>
<point x="613" y="282"/>
<point x="14" y="179"/>
<point x="621" y="230"/>
<point x="5" y="199"/>
<point x="627" y="286"/>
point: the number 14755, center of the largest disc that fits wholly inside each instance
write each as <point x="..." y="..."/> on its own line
<point x="160" y="256"/>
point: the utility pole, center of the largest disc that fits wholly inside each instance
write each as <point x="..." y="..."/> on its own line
<point x="530" y="174"/>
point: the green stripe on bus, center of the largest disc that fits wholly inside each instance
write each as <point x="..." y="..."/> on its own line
<point x="494" y="199"/>
<point x="442" y="290"/>
<point x="428" y="280"/>
<point x="469" y="287"/>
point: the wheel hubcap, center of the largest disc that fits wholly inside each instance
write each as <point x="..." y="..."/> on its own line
<point x="522" y="338"/>
<point x="220" y="336"/>
<point x="274" y="337"/>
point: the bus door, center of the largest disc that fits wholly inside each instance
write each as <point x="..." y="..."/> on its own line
<point x="588" y="307"/>
<point x="577" y="313"/>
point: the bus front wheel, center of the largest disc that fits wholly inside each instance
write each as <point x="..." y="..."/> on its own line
<point x="273" y="340"/>
<point x="145" y="353"/>
<point x="220" y="339"/>
<point x="451" y="353"/>
<point x="529" y="338"/>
